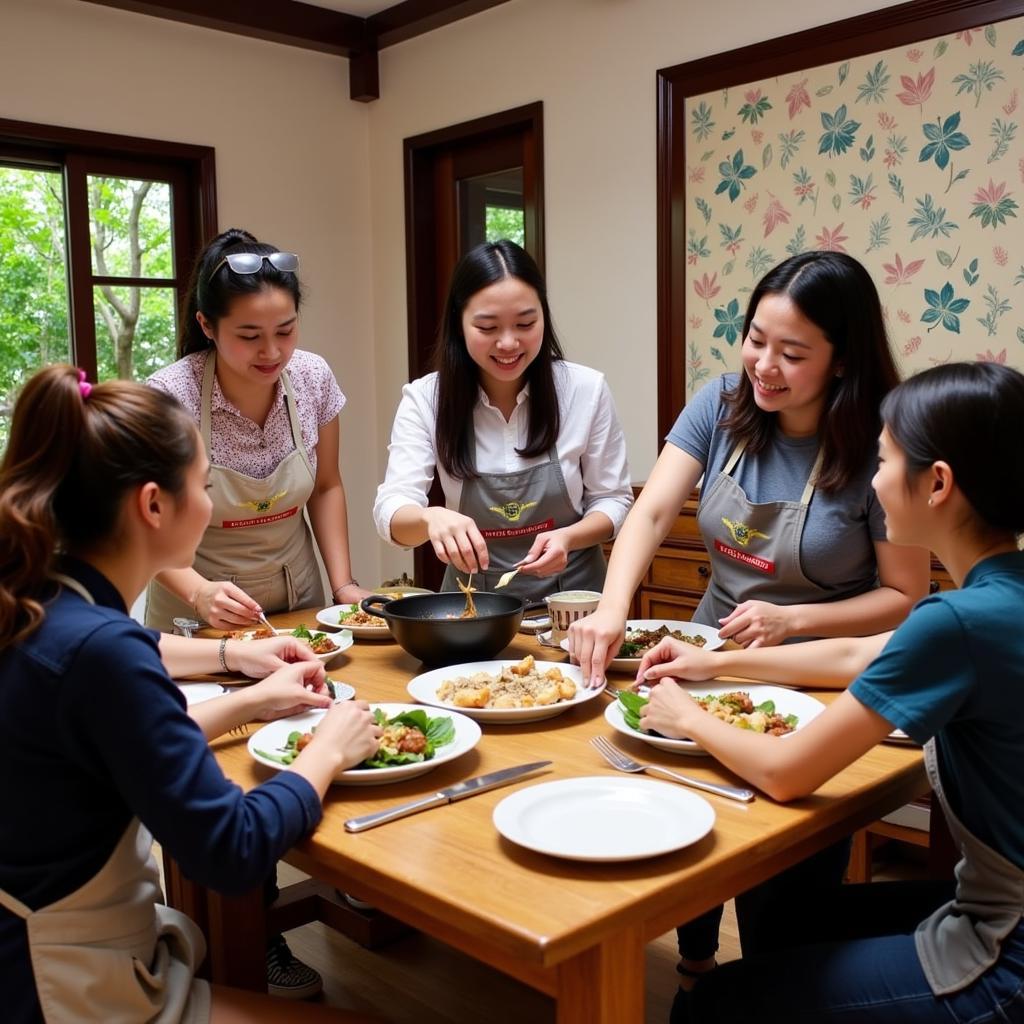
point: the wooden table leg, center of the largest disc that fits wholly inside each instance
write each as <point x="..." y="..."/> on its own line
<point x="604" y="984"/>
<point x="238" y="940"/>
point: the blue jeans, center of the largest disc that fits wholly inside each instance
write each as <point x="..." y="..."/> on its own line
<point x="862" y="967"/>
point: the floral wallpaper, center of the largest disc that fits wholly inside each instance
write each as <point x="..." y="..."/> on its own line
<point x="911" y="160"/>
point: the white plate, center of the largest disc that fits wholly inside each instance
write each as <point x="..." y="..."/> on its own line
<point x="341" y="691"/>
<point x="329" y="617"/>
<point x="424" y="689"/>
<point x="787" y="702"/>
<point x="196" y="693"/>
<point x="604" y="819"/>
<point x="273" y="736"/>
<point x="714" y="641"/>
<point x="899" y="736"/>
<point x="342" y="640"/>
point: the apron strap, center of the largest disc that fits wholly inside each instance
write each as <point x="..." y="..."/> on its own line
<point x="813" y="478"/>
<point x="72" y="584"/>
<point x="293" y="419"/>
<point x="734" y="457"/>
<point x="15" y="906"/>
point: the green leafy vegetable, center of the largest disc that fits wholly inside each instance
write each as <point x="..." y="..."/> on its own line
<point x="301" y="633"/>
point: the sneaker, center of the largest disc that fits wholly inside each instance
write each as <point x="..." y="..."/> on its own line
<point x="288" y="977"/>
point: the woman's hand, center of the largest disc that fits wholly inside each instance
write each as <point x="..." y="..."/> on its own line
<point x="548" y="554"/>
<point x="756" y="624"/>
<point x="348" y="728"/>
<point x="258" y="658"/>
<point x="593" y="641"/>
<point x="351" y="593"/>
<point x="224" y="605"/>
<point x="669" y="710"/>
<point x="675" y="658"/>
<point x="289" y="690"/>
<point x="456" y="539"/>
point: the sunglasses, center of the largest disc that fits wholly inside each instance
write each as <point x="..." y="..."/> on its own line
<point x="252" y="262"/>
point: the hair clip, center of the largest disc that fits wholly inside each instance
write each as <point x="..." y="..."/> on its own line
<point x="84" y="387"/>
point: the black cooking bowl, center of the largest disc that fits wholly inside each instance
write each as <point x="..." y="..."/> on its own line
<point x="421" y="624"/>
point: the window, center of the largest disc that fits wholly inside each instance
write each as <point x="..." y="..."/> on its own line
<point x="97" y="235"/>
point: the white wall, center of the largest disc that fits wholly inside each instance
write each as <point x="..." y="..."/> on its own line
<point x="593" y="64"/>
<point x="306" y="167"/>
<point x="291" y="154"/>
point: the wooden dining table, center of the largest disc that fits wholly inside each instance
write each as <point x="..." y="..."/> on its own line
<point x="574" y="930"/>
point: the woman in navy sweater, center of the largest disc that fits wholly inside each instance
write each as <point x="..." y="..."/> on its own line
<point x="100" y="488"/>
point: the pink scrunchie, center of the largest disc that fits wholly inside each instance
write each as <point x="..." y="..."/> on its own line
<point x="84" y="387"/>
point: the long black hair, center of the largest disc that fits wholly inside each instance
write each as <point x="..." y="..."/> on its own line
<point x="212" y="288"/>
<point x="837" y="295"/>
<point x="970" y="415"/>
<point x="459" y="377"/>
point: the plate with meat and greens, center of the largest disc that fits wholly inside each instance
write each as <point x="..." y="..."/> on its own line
<point x="324" y="645"/>
<point x="644" y="634"/>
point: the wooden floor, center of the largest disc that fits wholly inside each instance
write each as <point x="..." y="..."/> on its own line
<point x="416" y="980"/>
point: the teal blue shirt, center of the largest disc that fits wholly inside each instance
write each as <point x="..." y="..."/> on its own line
<point x="955" y="670"/>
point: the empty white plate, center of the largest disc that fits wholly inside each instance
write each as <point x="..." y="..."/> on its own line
<point x="196" y="693"/>
<point x="601" y="818"/>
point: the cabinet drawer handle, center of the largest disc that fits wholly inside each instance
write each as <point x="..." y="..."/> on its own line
<point x="933" y="586"/>
<point x="704" y="571"/>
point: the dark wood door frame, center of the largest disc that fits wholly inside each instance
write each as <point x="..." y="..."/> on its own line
<point x="841" y="40"/>
<point x="434" y="163"/>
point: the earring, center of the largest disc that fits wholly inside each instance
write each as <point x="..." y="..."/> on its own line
<point x="930" y="502"/>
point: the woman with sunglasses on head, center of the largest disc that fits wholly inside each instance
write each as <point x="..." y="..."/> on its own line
<point x="100" y="488"/>
<point x="951" y="476"/>
<point x="795" y="536"/>
<point x="527" y="446"/>
<point x="268" y="414"/>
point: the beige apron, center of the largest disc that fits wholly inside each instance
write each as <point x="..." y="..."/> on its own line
<point x="258" y="537"/>
<point x="754" y="546"/>
<point x="111" y="951"/>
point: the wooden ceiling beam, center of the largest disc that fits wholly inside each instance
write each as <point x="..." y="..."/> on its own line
<point x="278" y="21"/>
<point x="414" y="17"/>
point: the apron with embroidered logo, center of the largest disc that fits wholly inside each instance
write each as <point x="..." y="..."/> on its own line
<point x="961" y="940"/>
<point x="258" y="537"/>
<point x="754" y="546"/>
<point x="510" y="509"/>
<point x="111" y="951"/>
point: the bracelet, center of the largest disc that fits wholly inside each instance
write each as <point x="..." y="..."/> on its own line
<point x="341" y="586"/>
<point x="222" y="655"/>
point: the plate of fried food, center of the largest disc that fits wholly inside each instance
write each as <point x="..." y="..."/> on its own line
<point x="324" y="645"/>
<point x="644" y="634"/>
<point x="756" y="707"/>
<point x="413" y="742"/>
<point x="362" y="625"/>
<point x="504" y="691"/>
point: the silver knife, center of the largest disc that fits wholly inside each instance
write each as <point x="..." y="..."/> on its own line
<point x="444" y="796"/>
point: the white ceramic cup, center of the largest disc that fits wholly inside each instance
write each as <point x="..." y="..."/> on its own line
<point x="568" y="606"/>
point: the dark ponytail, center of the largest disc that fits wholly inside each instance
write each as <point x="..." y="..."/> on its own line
<point x="212" y="288"/>
<point x="970" y="415"/>
<point x="69" y="461"/>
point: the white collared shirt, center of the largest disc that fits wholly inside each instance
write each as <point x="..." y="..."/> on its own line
<point x="591" y="447"/>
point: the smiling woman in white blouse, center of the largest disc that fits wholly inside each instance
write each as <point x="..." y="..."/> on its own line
<point x="527" y="446"/>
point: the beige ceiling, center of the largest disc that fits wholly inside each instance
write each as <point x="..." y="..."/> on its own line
<point x="360" y="8"/>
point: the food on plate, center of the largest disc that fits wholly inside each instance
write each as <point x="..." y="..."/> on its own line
<point x="639" y="641"/>
<point x="469" y="590"/>
<point x="321" y="643"/>
<point x="408" y="738"/>
<point x="516" y="686"/>
<point x="736" y="708"/>
<point x="357" y="617"/>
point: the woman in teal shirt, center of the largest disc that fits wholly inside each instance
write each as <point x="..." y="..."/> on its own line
<point x="951" y="475"/>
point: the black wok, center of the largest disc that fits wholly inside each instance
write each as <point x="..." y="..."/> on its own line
<point x="421" y="624"/>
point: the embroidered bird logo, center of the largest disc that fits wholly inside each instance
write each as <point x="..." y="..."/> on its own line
<point x="512" y="510"/>
<point x="263" y="504"/>
<point x="743" y="534"/>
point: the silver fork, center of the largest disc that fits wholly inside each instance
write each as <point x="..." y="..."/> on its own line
<point x="617" y="759"/>
<point x="239" y="730"/>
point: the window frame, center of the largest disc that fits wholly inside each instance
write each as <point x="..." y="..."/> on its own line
<point x="77" y="154"/>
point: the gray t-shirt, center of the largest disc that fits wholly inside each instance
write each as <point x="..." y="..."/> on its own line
<point x="836" y="548"/>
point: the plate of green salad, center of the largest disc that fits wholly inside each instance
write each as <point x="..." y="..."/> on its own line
<point x="753" y="706"/>
<point x="414" y="742"/>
